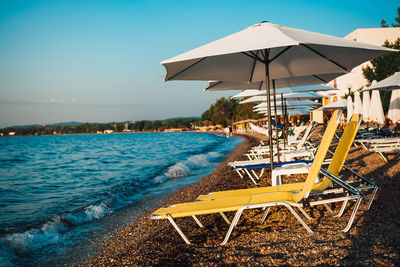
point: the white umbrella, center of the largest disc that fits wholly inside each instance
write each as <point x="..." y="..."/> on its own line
<point x="267" y="51"/>
<point x="357" y="103"/>
<point x="286" y="52"/>
<point x="288" y="96"/>
<point x="390" y="83"/>
<point x="349" y="108"/>
<point x="264" y="108"/>
<point x="290" y="103"/>
<point x="319" y="88"/>
<point x="366" y="106"/>
<point x="394" y="107"/>
<point x="339" y="104"/>
<point x="376" y="108"/>
<point x="296" y="111"/>
<point x="303" y="82"/>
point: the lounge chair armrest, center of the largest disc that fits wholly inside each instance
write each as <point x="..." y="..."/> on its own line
<point x="344" y="184"/>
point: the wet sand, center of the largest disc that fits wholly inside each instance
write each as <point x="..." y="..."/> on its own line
<point x="374" y="238"/>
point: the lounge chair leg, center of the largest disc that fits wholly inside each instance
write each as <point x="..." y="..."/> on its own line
<point x="352" y="215"/>
<point x="197" y="221"/>
<point x="342" y="209"/>
<point x="265" y="215"/>
<point x="380" y="153"/>
<point x="251" y="177"/>
<point x="255" y="175"/>
<point x="308" y="217"/>
<point x="299" y="218"/>
<point x="238" y="171"/>
<point x="262" y="172"/>
<point x="225" y="218"/>
<point x="171" y="220"/>
<point x="363" y="145"/>
<point x="233" y="224"/>
<point x="372" y="198"/>
<point x="328" y="208"/>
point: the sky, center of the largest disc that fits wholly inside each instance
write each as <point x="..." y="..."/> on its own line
<point x="99" y="61"/>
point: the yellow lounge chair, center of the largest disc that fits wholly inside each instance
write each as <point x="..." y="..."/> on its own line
<point x="334" y="168"/>
<point x="263" y="200"/>
<point x="336" y="164"/>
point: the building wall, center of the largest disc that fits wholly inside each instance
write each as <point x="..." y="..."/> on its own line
<point x="376" y="36"/>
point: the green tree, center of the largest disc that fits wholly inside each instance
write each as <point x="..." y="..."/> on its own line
<point x="383" y="67"/>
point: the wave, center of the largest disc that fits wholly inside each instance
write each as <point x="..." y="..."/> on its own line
<point x="186" y="167"/>
<point x="52" y="232"/>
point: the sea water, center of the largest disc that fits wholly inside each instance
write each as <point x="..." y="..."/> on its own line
<point x="58" y="192"/>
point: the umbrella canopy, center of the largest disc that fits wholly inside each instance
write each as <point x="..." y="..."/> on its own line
<point x="357" y="103"/>
<point x="349" y="108"/>
<point x="290" y="103"/>
<point x="341" y="103"/>
<point x="376" y="108"/>
<point x="310" y="88"/>
<point x="394" y="107"/>
<point x="390" y="83"/>
<point x="300" y="81"/>
<point x="288" y="96"/>
<point x="288" y="52"/>
<point x="265" y="52"/>
<point x="366" y="106"/>
<point x="264" y="108"/>
<point x="295" y="111"/>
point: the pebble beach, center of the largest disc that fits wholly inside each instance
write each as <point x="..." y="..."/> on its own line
<point x="374" y="238"/>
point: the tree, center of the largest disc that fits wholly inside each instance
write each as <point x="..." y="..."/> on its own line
<point x="397" y="19"/>
<point x="385" y="66"/>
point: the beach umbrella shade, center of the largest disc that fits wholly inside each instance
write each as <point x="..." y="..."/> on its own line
<point x="394" y="107"/>
<point x="390" y="83"/>
<point x="294" y="111"/>
<point x="265" y="52"/>
<point x="357" y="103"/>
<point x="376" y="108"/>
<point x="290" y="103"/>
<point x="366" y="106"/>
<point x="303" y="82"/>
<point x="320" y="89"/>
<point x="349" y="108"/>
<point x="288" y="96"/>
<point x="339" y="104"/>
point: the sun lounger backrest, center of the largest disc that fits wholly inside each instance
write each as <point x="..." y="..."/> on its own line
<point x="320" y="156"/>
<point x="342" y="150"/>
<point x="306" y="135"/>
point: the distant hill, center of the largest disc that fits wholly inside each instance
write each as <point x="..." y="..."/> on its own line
<point x="71" y="123"/>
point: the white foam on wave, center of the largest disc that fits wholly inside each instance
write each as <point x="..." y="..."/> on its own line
<point x="183" y="168"/>
<point x="177" y="170"/>
<point x="34" y="239"/>
<point x="51" y="233"/>
<point x="97" y="212"/>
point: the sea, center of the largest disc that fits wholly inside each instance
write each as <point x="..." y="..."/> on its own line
<point x="60" y="196"/>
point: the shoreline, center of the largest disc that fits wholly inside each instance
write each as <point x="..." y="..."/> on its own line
<point x="373" y="239"/>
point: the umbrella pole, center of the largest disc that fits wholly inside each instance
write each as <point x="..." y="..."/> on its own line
<point x="267" y="86"/>
<point x="284" y="123"/>
<point x="276" y="120"/>
<point x="287" y="120"/>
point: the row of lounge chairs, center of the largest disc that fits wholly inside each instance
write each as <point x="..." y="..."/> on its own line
<point x="258" y="157"/>
<point x="379" y="141"/>
<point x="294" y="196"/>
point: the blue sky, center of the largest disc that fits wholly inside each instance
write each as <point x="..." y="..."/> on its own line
<point x="98" y="61"/>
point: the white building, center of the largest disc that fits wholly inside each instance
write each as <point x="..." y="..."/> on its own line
<point x="376" y="36"/>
